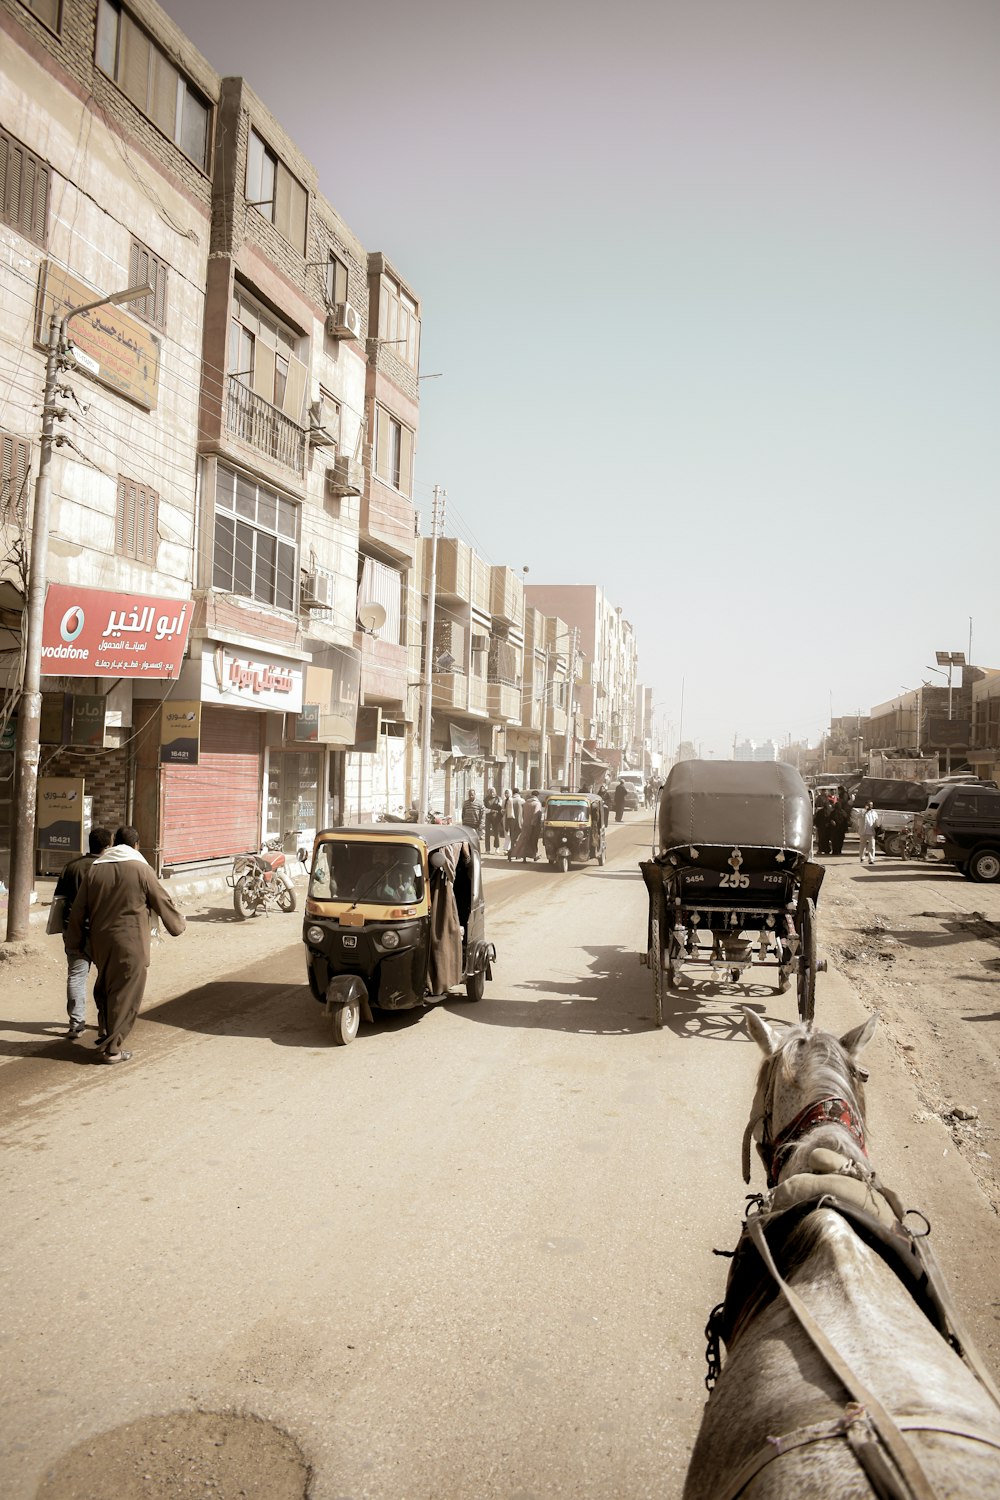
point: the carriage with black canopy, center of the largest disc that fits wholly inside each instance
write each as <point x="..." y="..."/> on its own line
<point x="730" y="881"/>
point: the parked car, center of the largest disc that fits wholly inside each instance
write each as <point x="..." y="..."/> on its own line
<point x="961" y="826"/>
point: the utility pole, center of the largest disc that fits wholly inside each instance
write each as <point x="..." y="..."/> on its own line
<point x="543" y="742"/>
<point x="437" y="527"/>
<point x="29" y="708"/>
<point x="569" y="753"/>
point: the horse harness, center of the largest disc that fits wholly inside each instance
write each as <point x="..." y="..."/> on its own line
<point x="876" y="1216"/>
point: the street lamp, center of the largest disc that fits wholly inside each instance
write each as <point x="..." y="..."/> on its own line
<point x="22" y="854"/>
<point x="949" y="659"/>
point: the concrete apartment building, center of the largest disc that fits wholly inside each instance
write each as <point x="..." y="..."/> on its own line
<point x="607" y="673"/>
<point x="251" y="458"/>
<point x="105" y="157"/>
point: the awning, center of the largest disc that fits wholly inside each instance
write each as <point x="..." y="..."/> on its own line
<point x="591" y="761"/>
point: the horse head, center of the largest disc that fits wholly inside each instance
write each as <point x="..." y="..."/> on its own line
<point x="810" y="1092"/>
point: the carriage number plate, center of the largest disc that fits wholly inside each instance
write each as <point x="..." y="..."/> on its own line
<point x="735" y="881"/>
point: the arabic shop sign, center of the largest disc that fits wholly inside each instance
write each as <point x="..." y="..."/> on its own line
<point x="110" y="343"/>
<point x="92" y="633"/>
<point x="239" y="680"/>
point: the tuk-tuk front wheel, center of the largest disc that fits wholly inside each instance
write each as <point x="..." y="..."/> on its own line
<point x="346" y="1022"/>
<point x="564" y="862"/>
<point x="475" y="985"/>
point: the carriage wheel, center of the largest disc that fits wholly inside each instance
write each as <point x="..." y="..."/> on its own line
<point x="806" y="977"/>
<point x="656" y="963"/>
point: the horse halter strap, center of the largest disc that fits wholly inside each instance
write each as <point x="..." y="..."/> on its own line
<point x="830" y="1111"/>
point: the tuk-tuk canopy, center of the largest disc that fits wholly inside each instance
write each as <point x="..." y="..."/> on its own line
<point x="755" y="804"/>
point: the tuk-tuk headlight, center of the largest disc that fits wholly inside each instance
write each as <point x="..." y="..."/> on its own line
<point x="315" y="935"/>
<point x="389" y="939"/>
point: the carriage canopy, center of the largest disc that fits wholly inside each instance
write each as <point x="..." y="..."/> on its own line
<point x="755" y="804"/>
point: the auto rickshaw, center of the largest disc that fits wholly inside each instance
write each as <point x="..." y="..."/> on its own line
<point x="730" y="881"/>
<point x="394" y="918"/>
<point x="573" y="828"/>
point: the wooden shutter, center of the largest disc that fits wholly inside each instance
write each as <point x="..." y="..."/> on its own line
<point x="24" y="189"/>
<point x="133" y="68"/>
<point x="382" y="434"/>
<point x="145" y="266"/>
<point x="135" y="521"/>
<point x="405" y="459"/>
<point x="15" y="467"/>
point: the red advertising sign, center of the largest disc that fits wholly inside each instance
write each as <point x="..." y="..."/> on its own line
<point x="91" y="633"/>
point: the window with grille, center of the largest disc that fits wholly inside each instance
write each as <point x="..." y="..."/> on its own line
<point x="135" y="521"/>
<point x="24" y="189"/>
<point x="256" y="533"/>
<point x="15" y="471"/>
<point x="148" y="77"/>
<point x="144" y="266"/>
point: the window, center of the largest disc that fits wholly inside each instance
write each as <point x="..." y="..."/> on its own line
<point x="336" y="281"/>
<point x="255" y="541"/>
<point x="273" y="190"/>
<point x="15" y="471"/>
<point x="148" y="77"/>
<point x="24" y="189"/>
<point x="47" y="11"/>
<point x="398" y="323"/>
<point x="144" y="266"/>
<point x="262" y="356"/>
<point x="135" y="521"/>
<point x="393" y="451"/>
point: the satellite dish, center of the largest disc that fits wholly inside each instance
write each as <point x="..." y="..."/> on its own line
<point x="371" y="617"/>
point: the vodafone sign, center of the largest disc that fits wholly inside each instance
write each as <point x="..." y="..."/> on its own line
<point x="91" y="633"/>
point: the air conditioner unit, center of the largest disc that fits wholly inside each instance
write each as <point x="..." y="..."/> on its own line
<point x="347" y="477"/>
<point x="344" y="322"/>
<point x="480" y="642"/>
<point x="317" y="590"/>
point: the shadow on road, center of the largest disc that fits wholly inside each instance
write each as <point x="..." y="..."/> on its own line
<point x="285" y="1014"/>
<point x="615" y="998"/>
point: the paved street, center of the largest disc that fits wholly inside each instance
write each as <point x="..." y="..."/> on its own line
<point x="467" y="1256"/>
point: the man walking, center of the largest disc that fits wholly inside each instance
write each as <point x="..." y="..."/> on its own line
<point x="115" y="899"/>
<point x="78" y="960"/>
<point x="866" y="832"/>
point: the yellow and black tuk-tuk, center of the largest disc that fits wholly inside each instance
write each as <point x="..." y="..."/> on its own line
<point x="573" y="828"/>
<point x="394" y="918"/>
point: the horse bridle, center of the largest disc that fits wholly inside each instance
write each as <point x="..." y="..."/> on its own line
<point x="832" y="1109"/>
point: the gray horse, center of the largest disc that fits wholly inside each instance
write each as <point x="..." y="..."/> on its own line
<point x="836" y="1384"/>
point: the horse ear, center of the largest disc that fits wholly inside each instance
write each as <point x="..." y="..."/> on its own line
<point x="857" y="1040"/>
<point x="767" y="1039"/>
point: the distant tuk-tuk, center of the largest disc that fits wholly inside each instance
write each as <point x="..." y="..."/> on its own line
<point x="394" y="918"/>
<point x="730" y="881"/>
<point x="573" y="828"/>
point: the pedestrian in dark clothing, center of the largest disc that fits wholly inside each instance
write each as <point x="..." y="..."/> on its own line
<point x="116" y="898"/>
<point x="473" y="813"/>
<point x="494" y="821"/>
<point x="620" y="795"/>
<point x="78" y="961"/>
<point x="821" y="823"/>
<point x="840" y="819"/>
<point x="515" y="817"/>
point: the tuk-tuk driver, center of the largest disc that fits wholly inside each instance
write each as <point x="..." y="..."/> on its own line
<point x="398" y="880"/>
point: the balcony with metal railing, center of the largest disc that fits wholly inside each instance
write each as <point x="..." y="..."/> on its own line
<point x="255" y="421"/>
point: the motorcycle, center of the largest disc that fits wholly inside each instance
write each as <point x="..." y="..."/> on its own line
<point x="259" y="884"/>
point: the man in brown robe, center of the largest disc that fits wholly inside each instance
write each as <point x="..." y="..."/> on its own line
<point x="115" y="900"/>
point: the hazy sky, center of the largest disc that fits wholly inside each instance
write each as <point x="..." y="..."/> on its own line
<point x="714" y="290"/>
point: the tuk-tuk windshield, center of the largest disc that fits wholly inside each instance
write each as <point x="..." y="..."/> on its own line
<point x="567" y="812"/>
<point x="353" y="870"/>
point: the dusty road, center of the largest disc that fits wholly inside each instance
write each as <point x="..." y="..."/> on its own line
<point x="467" y="1256"/>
